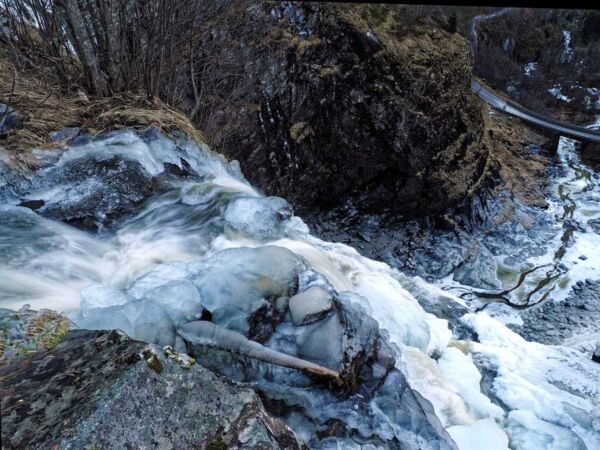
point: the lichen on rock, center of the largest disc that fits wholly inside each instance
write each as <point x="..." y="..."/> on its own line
<point x="26" y="331"/>
<point x="97" y="394"/>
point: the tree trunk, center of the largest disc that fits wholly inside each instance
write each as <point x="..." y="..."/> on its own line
<point x="84" y="47"/>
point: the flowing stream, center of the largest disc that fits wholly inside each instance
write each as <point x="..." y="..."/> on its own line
<point x="152" y="260"/>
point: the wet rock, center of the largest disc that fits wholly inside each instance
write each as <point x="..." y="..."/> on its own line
<point x="10" y="119"/>
<point x="182" y="171"/>
<point x="477" y="269"/>
<point x="558" y="322"/>
<point x="89" y="193"/>
<point x="99" y="391"/>
<point x="441" y="305"/>
<point x="311" y="305"/>
<point x="596" y="355"/>
<point x="595" y="225"/>
<point x="34" y="205"/>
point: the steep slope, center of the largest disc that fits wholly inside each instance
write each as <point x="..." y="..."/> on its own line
<point x="548" y="60"/>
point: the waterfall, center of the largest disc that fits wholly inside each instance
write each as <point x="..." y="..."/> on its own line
<point x="204" y="239"/>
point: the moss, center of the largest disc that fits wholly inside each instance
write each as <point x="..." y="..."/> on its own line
<point x="217" y="444"/>
<point x="153" y="361"/>
<point x="57" y="335"/>
<point x="300" y="131"/>
<point x="48" y="329"/>
<point x="329" y="71"/>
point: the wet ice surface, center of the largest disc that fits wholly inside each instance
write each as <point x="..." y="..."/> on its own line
<point x="205" y="246"/>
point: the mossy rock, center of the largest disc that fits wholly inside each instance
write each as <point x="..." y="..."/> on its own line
<point x="26" y="331"/>
<point x="217" y="444"/>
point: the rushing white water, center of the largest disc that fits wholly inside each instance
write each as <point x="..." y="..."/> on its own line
<point x="494" y="392"/>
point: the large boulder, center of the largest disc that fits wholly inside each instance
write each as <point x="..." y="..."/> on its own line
<point x="350" y="103"/>
<point x="100" y="389"/>
<point x="89" y="193"/>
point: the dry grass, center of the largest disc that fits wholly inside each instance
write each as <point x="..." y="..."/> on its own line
<point x="522" y="170"/>
<point x="45" y="108"/>
<point x="131" y="110"/>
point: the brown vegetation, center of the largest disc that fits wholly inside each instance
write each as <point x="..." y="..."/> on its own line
<point x="45" y="107"/>
<point x="521" y="170"/>
<point x="141" y="54"/>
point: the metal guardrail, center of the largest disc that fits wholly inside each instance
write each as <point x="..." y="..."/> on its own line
<point x="502" y="103"/>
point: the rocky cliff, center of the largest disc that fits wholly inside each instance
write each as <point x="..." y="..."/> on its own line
<point x="355" y="104"/>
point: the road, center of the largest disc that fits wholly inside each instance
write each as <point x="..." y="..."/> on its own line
<point x="509" y="107"/>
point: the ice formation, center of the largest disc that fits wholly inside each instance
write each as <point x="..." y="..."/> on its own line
<point x="207" y="261"/>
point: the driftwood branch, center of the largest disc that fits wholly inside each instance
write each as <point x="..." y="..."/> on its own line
<point x="207" y="333"/>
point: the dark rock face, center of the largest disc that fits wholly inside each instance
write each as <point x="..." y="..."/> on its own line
<point x="554" y="322"/>
<point x="347" y="109"/>
<point x="97" y="192"/>
<point x="101" y="389"/>
<point x="9" y="119"/>
<point x="591" y="152"/>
